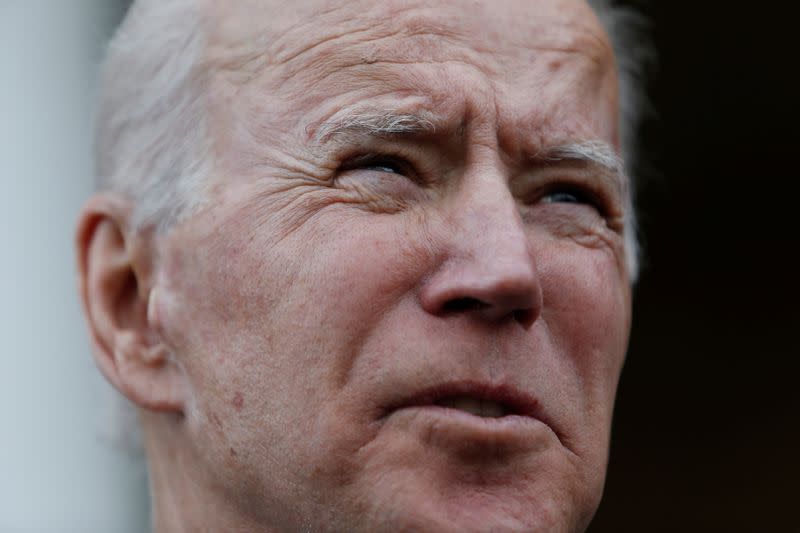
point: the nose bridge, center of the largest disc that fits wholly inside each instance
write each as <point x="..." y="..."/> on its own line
<point x="494" y="247"/>
<point x="490" y="270"/>
<point x="493" y="234"/>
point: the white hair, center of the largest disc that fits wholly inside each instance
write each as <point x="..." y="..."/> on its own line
<point x="628" y="30"/>
<point x="153" y="144"/>
<point x="151" y="137"/>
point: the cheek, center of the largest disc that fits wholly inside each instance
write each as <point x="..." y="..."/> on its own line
<point x="285" y="319"/>
<point x="587" y="310"/>
<point x="364" y="267"/>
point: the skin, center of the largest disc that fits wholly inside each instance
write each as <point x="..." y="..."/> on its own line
<point x="270" y="337"/>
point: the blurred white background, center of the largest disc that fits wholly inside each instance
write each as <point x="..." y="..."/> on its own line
<point x="57" y="474"/>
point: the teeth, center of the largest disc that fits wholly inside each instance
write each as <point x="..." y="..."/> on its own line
<point x="475" y="406"/>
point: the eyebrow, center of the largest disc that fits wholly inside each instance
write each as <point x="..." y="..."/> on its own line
<point x="360" y="124"/>
<point x="593" y="151"/>
<point x="353" y="125"/>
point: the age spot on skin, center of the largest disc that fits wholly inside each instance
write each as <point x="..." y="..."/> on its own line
<point x="238" y="401"/>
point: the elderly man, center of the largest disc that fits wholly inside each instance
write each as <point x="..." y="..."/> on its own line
<point x="363" y="266"/>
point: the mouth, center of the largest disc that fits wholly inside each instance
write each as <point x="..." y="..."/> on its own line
<point x="477" y="399"/>
<point x="475" y="419"/>
<point x="475" y="406"/>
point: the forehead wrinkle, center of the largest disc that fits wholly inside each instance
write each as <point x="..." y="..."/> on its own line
<point x="317" y="37"/>
<point x="378" y="22"/>
<point x="366" y="39"/>
<point x="247" y="43"/>
<point x="368" y="55"/>
<point x="256" y="42"/>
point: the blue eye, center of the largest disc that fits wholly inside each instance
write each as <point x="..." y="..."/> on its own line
<point x="568" y="195"/>
<point x="383" y="166"/>
<point x="563" y="198"/>
<point x="381" y="163"/>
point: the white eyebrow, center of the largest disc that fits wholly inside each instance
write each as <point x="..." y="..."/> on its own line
<point x="596" y="152"/>
<point x="351" y="124"/>
<point x="373" y="123"/>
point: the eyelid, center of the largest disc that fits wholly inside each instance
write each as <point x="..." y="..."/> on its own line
<point x="590" y="190"/>
<point x="584" y="195"/>
<point x="360" y="161"/>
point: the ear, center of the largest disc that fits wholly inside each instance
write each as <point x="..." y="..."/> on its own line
<point x="119" y="305"/>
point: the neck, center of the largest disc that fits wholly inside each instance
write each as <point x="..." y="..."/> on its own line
<point x="183" y="498"/>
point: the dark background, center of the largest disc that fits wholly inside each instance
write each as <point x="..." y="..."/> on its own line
<point x="707" y="432"/>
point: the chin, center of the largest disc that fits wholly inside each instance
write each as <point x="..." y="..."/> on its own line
<point x="478" y="517"/>
<point x="421" y="504"/>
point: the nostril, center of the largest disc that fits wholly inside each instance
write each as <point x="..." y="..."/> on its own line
<point x="526" y="317"/>
<point x="457" y="305"/>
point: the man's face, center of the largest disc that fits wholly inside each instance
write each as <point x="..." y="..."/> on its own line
<point x="404" y="308"/>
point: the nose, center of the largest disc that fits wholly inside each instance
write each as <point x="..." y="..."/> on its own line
<point x="489" y="269"/>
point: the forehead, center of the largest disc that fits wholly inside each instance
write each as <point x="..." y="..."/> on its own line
<point x="521" y="55"/>
<point x="284" y="30"/>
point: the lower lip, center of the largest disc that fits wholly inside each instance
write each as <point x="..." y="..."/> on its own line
<point x="459" y="430"/>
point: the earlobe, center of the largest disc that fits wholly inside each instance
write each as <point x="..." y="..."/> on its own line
<point x="147" y="374"/>
<point x="117" y="304"/>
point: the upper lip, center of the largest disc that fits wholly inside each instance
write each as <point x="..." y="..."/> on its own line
<point x="515" y="401"/>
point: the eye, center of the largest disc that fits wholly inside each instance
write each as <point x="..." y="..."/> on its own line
<point x="566" y="194"/>
<point x="380" y="163"/>
<point x="384" y="166"/>
<point x="570" y="194"/>
<point x="564" y="197"/>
